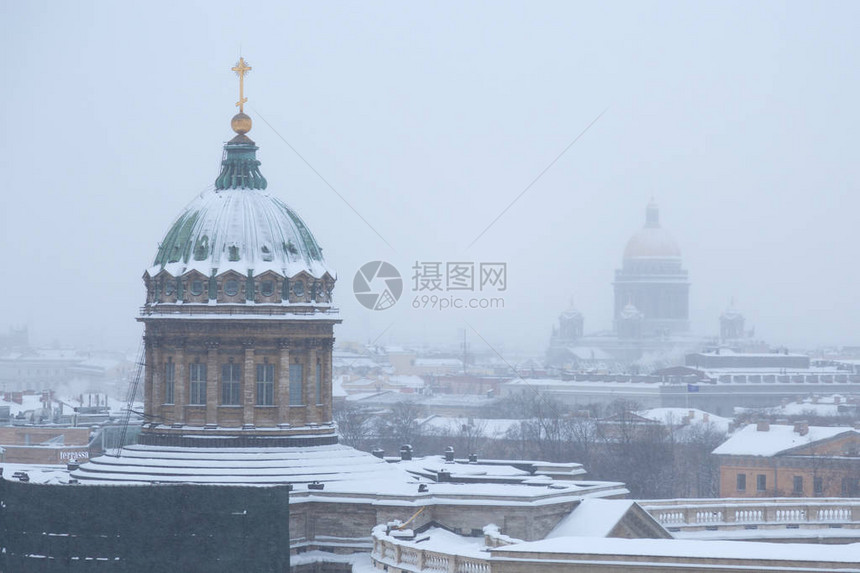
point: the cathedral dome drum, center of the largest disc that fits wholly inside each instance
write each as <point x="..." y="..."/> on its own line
<point x="237" y="242"/>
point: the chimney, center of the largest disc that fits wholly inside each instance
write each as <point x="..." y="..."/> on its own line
<point x="378" y="452"/>
<point x="691" y="414"/>
<point x="837" y="399"/>
<point x="405" y="452"/>
<point x="801" y="427"/>
<point x="706" y="417"/>
<point x="473" y="458"/>
<point x="762" y="426"/>
<point x="449" y="454"/>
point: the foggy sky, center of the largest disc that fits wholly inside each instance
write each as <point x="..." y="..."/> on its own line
<point x="740" y="119"/>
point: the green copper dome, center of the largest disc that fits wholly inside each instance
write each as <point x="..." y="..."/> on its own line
<point x="239" y="226"/>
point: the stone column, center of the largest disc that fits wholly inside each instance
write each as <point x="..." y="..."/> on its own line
<point x="327" y="346"/>
<point x="212" y="382"/>
<point x="149" y="368"/>
<point x="249" y="385"/>
<point x="282" y="388"/>
<point x="309" y="389"/>
<point x="179" y="382"/>
<point x="157" y="390"/>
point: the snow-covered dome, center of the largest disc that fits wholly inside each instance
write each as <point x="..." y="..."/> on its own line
<point x="652" y="241"/>
<point x="246" y="230"/>
<point x="239" y="226"/>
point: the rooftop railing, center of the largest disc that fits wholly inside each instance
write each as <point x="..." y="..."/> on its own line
<point x="391" y="552"/>
<point x="700" y="514"/>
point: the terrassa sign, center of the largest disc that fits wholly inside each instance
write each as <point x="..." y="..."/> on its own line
<point x="67" y="455"/>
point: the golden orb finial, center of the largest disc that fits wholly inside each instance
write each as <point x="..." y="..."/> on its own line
<point x="241" y="123"/>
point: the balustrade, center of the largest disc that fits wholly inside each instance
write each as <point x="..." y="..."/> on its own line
<point x="722" y="512"/>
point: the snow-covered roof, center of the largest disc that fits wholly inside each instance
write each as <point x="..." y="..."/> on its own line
<point x="439" y="362"/>
<point x="442" y="541"/>
<point x="145" y="464"/>
<point x="677" y="416"/>
<point x="592" y="518"/>
<point x="647" y="386"/>
<point x="795" y="409"/>
<point x="729" y="352"/>
<point x="337" y="390"/>
<point x="486" y="427"/>
<point x="749" y="441"/>
<point x="589" y="353"/>
<point x="347" y="474"/>
<point x="643" y="548"/>
<point x="406" y="381"/>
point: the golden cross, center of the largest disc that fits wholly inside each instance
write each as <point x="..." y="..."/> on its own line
<point x="241" y="68"/>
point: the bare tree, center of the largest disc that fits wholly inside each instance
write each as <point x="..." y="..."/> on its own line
<point x="354" y="424"/>
<point x="401" y="425"/>
<point x="470" y="437"/>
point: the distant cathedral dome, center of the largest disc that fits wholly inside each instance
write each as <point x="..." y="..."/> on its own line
<point x="652" y="241"/>
<point x="652" y="280"/>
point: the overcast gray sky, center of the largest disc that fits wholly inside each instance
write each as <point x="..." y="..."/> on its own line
<point x="740" y="118"/>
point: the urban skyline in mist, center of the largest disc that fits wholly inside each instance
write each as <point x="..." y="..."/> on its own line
<point x="429" y="121"/>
